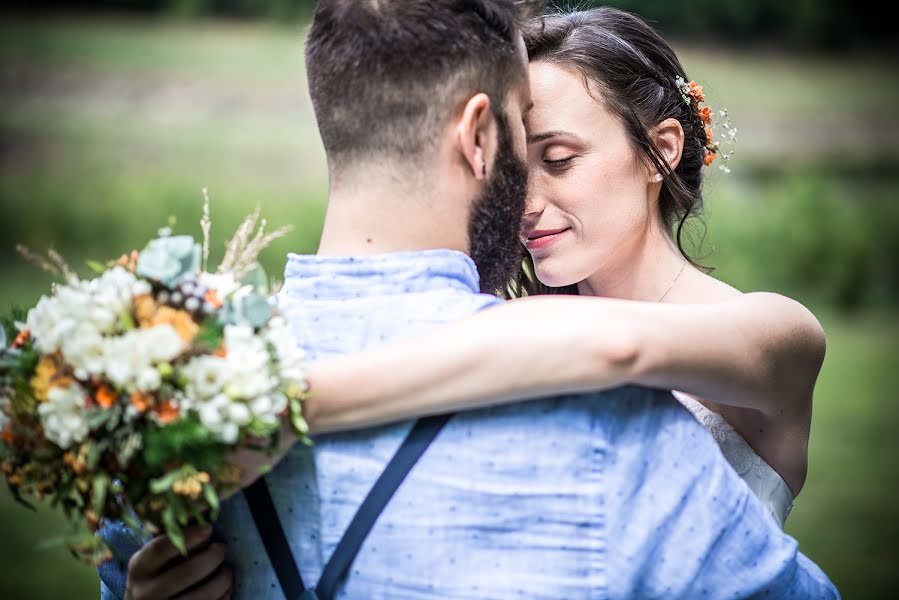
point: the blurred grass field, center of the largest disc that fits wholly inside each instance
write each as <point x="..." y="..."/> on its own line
<point x="108" y="126"/>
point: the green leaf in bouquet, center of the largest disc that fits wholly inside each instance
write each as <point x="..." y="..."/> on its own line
<point x="8" y="322"/>
<point x="181" y="438"/>
<point x="98" y="492"/>
<point x="165" y="483"/>
<point x="172" y="530"/>
<point x="170" y="259"/>
<point x="182" y="510"/>
<point x="300" y="427"/>
<point x="94" y="452"/>
<point x="129" y="448"/>
<point x="96" y="266"/>
<point x="211" y="333"/>
<point x="126" y="321"/>
<point x="212" y="499"/>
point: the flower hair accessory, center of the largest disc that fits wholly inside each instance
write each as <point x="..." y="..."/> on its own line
<point x="693" y="96"/>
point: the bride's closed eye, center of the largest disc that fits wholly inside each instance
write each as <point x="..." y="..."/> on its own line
<point x="561" y="163"/>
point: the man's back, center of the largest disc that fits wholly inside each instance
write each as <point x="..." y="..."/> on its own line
<point x="620" y="494"/>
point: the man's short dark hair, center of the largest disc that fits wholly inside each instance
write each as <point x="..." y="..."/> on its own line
<point x="386" y="75"/>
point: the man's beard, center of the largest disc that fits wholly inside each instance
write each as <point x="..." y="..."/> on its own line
<point x="496" y="214"/>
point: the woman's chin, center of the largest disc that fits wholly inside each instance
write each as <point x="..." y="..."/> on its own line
<point x="554" y="278"/>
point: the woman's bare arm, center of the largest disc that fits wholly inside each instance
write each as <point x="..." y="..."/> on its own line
<point x="760" y="351"/>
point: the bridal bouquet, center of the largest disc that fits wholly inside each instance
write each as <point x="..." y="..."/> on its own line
<point x="126" y="394"/>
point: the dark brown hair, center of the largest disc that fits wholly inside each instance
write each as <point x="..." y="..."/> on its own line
<point x="386" y="75"/>
<point x="635" y="71"/>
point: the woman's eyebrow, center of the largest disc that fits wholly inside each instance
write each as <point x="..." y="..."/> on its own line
<point x="533" y="139"/>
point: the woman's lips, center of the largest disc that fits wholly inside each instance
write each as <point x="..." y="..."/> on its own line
<point x="539" y="239"/>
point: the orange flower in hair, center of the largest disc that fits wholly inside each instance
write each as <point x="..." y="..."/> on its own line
<point x="696" y="92"/>
<point x="709" y="135"/>
<point x="709" y="158"/>
<point x="705" y="113"/>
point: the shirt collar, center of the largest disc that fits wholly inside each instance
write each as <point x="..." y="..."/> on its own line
<point x="340" y="277"/>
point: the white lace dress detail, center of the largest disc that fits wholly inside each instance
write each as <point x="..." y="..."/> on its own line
<point x="762" y="479"/>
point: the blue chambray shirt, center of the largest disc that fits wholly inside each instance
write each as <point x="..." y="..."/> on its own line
<point x="620" y="494"/>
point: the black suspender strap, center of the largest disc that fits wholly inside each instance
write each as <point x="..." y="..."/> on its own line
<point x="275" y="541"/>
<point x="269" y="525"/>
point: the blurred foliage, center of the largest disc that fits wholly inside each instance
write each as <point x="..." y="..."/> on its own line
<point x="819" y="23"/>
<point x="810" y="233"/>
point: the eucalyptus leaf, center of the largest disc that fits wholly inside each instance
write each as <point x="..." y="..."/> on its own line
<point x="3" y="343"/>
<point x="256" y="278"/>
<point x="169" y="259"/>
<point x="251" y="309"/>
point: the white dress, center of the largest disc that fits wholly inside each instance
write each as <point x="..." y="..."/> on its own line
<point x="762" y="479"/>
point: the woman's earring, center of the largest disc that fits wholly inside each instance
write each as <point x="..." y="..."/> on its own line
<point x="657" y="178"/>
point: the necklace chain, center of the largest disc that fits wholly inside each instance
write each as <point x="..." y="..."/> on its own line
<point x="673" y="282"/>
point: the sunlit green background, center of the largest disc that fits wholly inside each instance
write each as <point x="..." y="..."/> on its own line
<point x="113" y="120"/>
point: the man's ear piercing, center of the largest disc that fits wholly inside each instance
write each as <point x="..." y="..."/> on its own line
<point x="484" y="167"/>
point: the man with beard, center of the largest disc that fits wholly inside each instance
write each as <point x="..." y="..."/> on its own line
<point x="420" y="105"/>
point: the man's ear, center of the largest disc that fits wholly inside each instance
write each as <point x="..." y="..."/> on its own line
<point x="668" y="137"/>
<point x="476" y="134"/>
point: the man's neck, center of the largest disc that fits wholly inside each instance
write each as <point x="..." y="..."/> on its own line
<point x="374" y="215"/>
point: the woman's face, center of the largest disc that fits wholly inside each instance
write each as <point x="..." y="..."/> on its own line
<point x="588" y="203"/>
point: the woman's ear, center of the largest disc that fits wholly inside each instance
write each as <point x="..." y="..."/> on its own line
<point x="668" y="136"/>
<point x="476" y="134"/>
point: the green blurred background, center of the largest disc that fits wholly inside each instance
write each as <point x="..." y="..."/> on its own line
<point x="115" y="114"/>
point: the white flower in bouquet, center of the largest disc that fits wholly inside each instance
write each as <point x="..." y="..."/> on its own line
<point x="267" y="407"/>
<point x="223" y="416"/>
<point x="64" y="415"/>
<point x="160" y="343"/>
<point x="54" y="318"/>
<point x="85" y="350"/>
<point x="131" y="358"/>
<point x="249" y="369"/>
<point x="291" y="358"/>
<point x="206" y="377"/>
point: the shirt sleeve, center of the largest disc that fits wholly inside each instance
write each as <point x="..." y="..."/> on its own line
<point x="682" y="523"/>
<point x="123" y="542"/>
